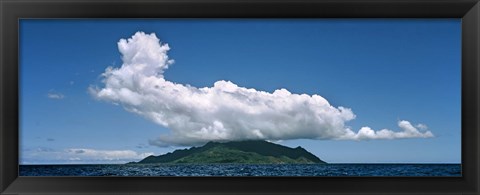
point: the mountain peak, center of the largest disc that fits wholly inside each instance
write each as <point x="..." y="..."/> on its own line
<point x="248" y="151"/>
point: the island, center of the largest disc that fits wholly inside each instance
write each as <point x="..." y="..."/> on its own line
<point x="241" y="152"/>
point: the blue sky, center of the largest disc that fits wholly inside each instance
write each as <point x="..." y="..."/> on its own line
<point x="385" y="71"/>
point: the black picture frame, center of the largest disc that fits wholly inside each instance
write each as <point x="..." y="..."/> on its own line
<point x="13" y="10"/>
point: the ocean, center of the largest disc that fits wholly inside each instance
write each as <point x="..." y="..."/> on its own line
<point x="243" y="170"/>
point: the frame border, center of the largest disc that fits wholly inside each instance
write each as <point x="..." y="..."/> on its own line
<point x="13" y="10"/>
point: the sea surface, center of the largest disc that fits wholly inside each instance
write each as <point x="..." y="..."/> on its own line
<point x="243" y="170"/>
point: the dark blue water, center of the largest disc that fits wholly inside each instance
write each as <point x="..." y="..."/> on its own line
<point x="244" y="170"/>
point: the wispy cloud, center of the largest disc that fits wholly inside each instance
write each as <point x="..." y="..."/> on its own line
<point x="55" y="95"/>
<point x="109" y="155"/>
<point x="81" y="155"/>
<point x="224" y="111"/>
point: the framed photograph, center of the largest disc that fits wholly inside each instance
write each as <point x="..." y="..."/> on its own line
<point x="240" y="97"/>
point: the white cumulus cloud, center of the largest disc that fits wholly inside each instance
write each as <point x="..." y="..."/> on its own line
<point x="224" y="111"/>
<point x="408" y="131"/>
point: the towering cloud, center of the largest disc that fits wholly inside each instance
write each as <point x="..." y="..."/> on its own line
<point x="224" y="111"/>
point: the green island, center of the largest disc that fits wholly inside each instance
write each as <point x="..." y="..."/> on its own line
<point x="242" y="152"/>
